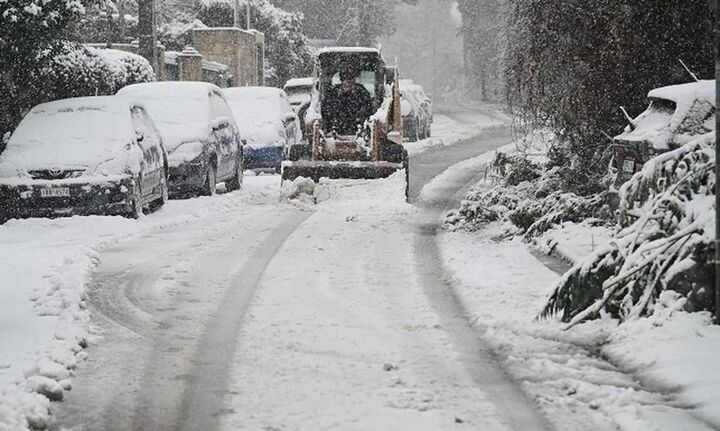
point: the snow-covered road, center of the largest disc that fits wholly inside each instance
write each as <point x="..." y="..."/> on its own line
<point x="289" y="316"/>
<point x="248" y="311"/>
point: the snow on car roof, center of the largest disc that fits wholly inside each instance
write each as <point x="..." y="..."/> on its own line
<point x="258" y="113"/>
<point x="180" y="109"/>
<point x="348" y="49"/>
<point x="299" y="82"/>
<point x="657" y="125"/>
<point x="703" y="90"/>
<point x="70" y="133"/>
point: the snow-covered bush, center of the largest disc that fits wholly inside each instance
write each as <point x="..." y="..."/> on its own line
<point x="663" y="241"/>
<point x="82" y="71"/>
<point x="516" y="168"/>
<point x="28" y="28"/>
<point x="529" y="198"/>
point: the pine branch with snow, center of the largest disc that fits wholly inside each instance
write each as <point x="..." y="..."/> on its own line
<point x="663" y="241"/>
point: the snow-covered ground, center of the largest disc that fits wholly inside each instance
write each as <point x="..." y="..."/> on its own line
<point x="448" y="131"/>
<point x="659" y="373"/>
<point x="46" y="266"/>
<point x="573" y="241"/>
<point x="340" y="335"/>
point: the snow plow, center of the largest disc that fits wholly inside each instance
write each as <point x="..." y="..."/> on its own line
<point x="354" y="122"/>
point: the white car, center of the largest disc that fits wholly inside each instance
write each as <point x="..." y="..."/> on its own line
<point x="299" y="91"/>
<point x="416" y="110"/>
<point x="89" y="155"/>
<point x="267" y="122"/>
<point x="199" y="131"/>
<point x="676" y="113"/>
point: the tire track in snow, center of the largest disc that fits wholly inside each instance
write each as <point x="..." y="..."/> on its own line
<point x="169" y="315"/>
<point x="511" y="402"/>
<point x="208" y="384"/>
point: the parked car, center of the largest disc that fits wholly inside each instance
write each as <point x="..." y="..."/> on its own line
<point x="81" y="156"/>
<point x="200" y="134"/>
<point x="676" y="113"/>
<point x="299" y="92"/>
<point x="416" y="111"/>
<point x="267" y="121"/>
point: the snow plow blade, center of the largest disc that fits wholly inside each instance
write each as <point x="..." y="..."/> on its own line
<point x="316" y="169"/>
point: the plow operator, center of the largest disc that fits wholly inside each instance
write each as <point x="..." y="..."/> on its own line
<point x="348" y="105"/>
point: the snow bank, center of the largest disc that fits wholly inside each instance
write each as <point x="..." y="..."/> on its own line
<point x="651" y="374"/>
<point x="437" y="188"/>
<point x="659" y="373"/>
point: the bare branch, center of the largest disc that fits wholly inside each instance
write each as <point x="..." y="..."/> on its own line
<point x="689" y="71"/>
<point x="629" y="119"/>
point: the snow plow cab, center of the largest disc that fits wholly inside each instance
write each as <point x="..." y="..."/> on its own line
<point x="354" y="122"/>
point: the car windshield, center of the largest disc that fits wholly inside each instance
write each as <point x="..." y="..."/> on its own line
<point x="301" y="89"/>
<point x="366" y="78"/>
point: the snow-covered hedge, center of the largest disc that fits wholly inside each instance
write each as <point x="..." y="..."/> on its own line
<point x="83" y="71"/>
<point x="532" y="200"/>
<point x="663" y="241"/>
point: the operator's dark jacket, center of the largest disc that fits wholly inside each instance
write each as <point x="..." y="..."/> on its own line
<point x="346" y="109"/>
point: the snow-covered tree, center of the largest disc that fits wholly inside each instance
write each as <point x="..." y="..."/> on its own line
<point x="286" y="50"/>
<point x="571" y="64"/>
<point x="28" y="28"/>
<point x="663" y="241"/>
<point x="481" y="30"/>
<point x="348" y="22"/>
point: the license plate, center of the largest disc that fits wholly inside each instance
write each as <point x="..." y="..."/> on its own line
<point x="55" y="192"/>
<point x="629" y="166"/>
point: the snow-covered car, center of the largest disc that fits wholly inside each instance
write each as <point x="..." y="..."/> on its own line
<point x="299" y="91"/>
<point x="676" y="113"/>
<point x="416" y="111"/>
<point x="89" y="155"/>
<point x="199" y="131"/>
<point x="267" y="122"/>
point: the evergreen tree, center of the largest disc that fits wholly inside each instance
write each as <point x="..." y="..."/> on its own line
<point x="29" y="30"/>
<point x="569" y="65"/>
<point x="348" y="22"/>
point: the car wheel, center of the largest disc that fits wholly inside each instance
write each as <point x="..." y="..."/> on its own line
<point x="210" y="185"/>
<point x="235" y="182"/>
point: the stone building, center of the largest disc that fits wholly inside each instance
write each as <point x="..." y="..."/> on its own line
<point x="243" y="51"/>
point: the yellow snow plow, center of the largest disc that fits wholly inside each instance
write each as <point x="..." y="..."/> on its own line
<point x="354" y="124"/>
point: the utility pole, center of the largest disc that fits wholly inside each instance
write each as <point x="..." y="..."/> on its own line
<point x="147" y="34"/>
<point x="121" y="13"/>
<point x="248" y="15"/>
